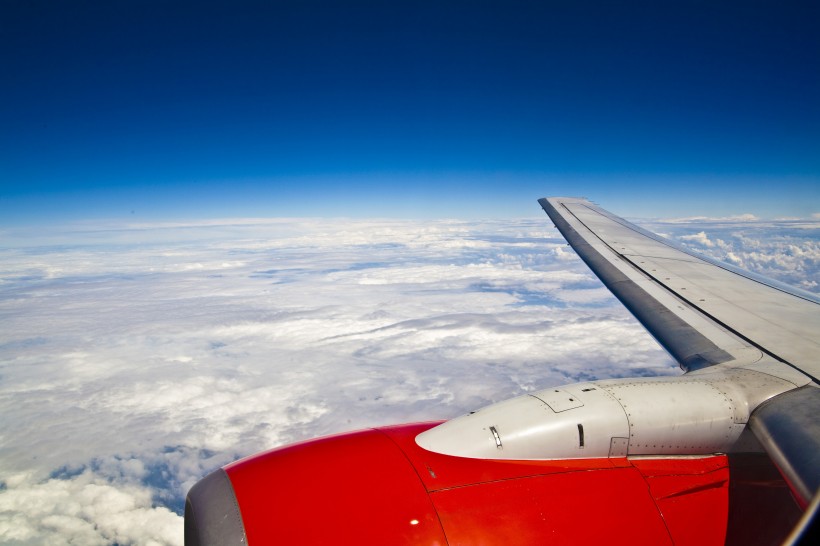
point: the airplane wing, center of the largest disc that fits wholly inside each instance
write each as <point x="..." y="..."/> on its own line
<point x="706" y="313"/>
<point x="702" y="311"/>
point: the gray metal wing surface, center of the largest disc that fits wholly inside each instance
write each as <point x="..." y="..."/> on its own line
<point x="709" y="315"/>
<point x="703" y="312"/>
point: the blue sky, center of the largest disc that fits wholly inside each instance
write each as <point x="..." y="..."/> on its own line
<point x="411" y="109"/>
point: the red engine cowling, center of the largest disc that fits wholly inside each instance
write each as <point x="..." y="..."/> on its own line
<point x="378" y="487"/>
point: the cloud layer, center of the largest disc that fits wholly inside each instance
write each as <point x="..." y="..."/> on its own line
<point x="135" y="359"/>
<point x="786" y="250"/>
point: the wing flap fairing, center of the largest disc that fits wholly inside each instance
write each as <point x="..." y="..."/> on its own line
<point x="788" y="429"/>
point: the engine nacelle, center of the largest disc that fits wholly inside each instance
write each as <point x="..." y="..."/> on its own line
<point x="558" y="465"/>
<point x="685" y="415"/>
<point x="377" y="487"/>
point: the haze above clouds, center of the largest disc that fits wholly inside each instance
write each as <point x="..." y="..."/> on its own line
<point x="135" y="359"/>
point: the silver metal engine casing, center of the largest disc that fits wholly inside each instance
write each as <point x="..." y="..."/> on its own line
<point x="686" y="415"/>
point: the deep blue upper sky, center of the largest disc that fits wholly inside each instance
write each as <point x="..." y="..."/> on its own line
<point x="142" y="110"/>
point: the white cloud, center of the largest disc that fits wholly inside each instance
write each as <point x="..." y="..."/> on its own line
<point x="787" y="250"/>
<point x="135" y="360"/>
<point x="84" y="509"/>
<point x="746" y="217"/>
<point x="699" y="238"/>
